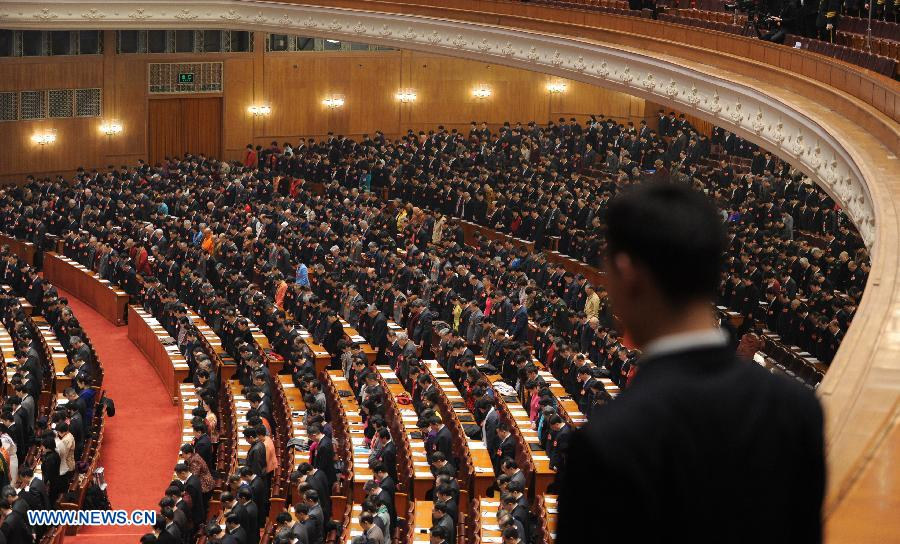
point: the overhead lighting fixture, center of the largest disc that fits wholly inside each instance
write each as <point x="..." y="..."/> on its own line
<point x="556" y="87"/>
<point x="260" y="110"/>
<point x="44" y="138"/>
<point x="333" y="102"/>
<point x="333" y="41"/>
<point x="481" y="92"/>
<point x="111" y="127"/>
<point x="406" y="95"/>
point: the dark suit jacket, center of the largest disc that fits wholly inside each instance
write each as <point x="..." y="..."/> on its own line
<point x="388" y="456"/>
<point x="324" y="459"/>
<point x="443" y="442"/>
<point x="506" y="448"/>
<point x="36" y="496"/>
<point x="15" y="529"/>
<point x="260" y="489"/>
<point x="727" y="426"/>
<point x="198" y="509"/>
<point x="256" y="458"/>
<point x="319" y="482"/>
<point x="203" y="447"/>
<point x="239" y="536"/>
<point x="249" y="520"/>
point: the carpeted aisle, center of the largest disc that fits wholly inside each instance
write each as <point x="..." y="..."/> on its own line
<point x="140" y="445"/>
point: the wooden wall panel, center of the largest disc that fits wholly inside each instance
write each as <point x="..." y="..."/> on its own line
<point x="164" y="130"/>
<point x="201" y="125"/>
<point x="238" y="96"/>
<point x="181" y="125"/>
<point x="294" y="85"/>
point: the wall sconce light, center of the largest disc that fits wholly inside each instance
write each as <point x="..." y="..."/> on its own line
<point x="556" y="87"/>
<point x="333" y="102"/>
<point x="260" y="110"/>
<point x="406" y="95"/>
<point x="111" y="127"/>
<point x="481" y="92"/>
<point x="44" y="138"/>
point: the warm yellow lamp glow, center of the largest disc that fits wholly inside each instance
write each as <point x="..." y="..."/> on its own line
<point x="258" y="110"/>
<point x="333" y="102"/>
<point x="556" y="87"/>
<point x="44" y="138"/>
<point x="111" y="127"/>
<point x="481" y="92"/>
<point x="406" y="95"/>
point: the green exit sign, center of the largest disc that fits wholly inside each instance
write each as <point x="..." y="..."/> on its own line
<point x="186" y="77"/>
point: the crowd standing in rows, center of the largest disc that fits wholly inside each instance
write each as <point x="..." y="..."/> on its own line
<point x="297" y="237"/>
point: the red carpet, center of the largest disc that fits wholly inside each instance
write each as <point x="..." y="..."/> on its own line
<point x="140" y="445"/>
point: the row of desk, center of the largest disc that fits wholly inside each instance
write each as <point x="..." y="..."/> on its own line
<point x="297" y="412"/>
<point x="351" y="419"/>
<point x="480" y="459"/>
<point x="87" y="286"/>
<point x="539" y="460"/>
<point x="422" y="479"/>
<point x="488" y="527"/>
<point x="20" y="248"/>
<point x="357" y="338"/>
<point x="160" y="349"/>
<point x="8" y="352"/>
<point x="55" y="352"/>
<point x="575" y="266"/>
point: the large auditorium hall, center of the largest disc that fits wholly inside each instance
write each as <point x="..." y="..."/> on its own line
<point x="449" y="271"/>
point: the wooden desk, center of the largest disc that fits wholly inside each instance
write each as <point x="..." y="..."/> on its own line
<point x="575" y="266"/>
<point x="547" y="510"/>
<point x="20" y="248"/>
<point x="358" y="463"/>
<point x="8" y="354"/>
<point x="420" y="527"/>
<point x="543" y="474"/>
<point x="422" y="479"/>
<point x="476" y="449"/>
<point x="213" y="345"/>
<point x="298" y="410"/>
<point x="56" y="355"/>
<point x="86" y="285"/>
<point x="320" y="354"/>
<point x="357" y="338"/>
<point x="241" y="407"/>
<point x="489" y="529"/>
<point x="147" y="334"/>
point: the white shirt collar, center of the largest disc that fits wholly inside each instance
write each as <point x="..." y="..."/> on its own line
<point x="673" y="343"/>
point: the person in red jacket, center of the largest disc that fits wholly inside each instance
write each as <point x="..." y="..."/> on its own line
<point x="251" y="159"/>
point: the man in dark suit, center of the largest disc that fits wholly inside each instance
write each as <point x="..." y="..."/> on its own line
<point x="726" y="425"/>
<point x="50" y="465"/>
<point x="377" y="332"/>
<point x="323" y="456"/>
<point x="506" y="447"/>
<point x="234" y="533"/>
<point x="248" y="515"/>
<point x="259" y="488"/>
<point x="317" y="480"/>
<point x="34" y="490"/>
<point x="443" y="440"/>
<point x="15" y="524"/>
<point x="192" y="487"/>
<point x="256" y="456"/>
<point x="387" y="452"/>
<point x="203" y="446"/>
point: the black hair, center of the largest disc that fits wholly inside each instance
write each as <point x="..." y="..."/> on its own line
<point x="675" y="232"/>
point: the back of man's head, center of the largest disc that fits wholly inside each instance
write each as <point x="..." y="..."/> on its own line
<point x="675" y="233"/>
